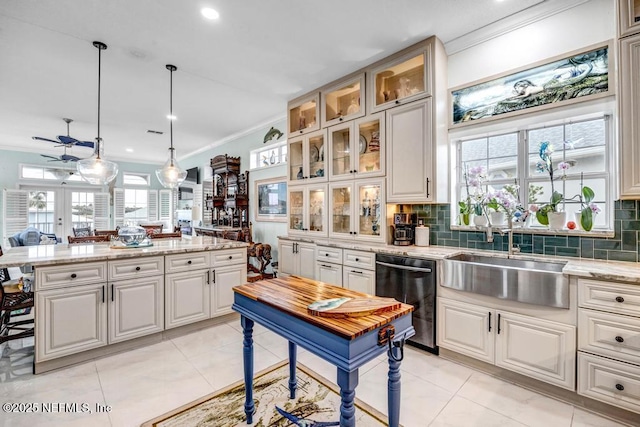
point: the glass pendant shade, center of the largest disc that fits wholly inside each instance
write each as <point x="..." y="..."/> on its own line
<point x="171" y="175"/>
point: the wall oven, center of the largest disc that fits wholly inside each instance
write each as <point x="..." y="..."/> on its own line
<point x="411" y="281"/>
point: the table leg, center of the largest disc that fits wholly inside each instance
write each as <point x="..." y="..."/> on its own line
<point x="348" y="381"/>
<point x="393" y="389"/>
<point x="293" y="381"/>
<point x="247" y="353"/>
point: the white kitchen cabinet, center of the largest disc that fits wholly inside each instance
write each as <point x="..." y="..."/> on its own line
<point x="70" y="320"/>
<point x="329" y="273"/>
<point x="187" y="297"/>
<point x="629" y="117"/>
<point x="136" y="308"/>
<point x="356" y="149"/>
<point x="537" y="348"/>
<point x="296" y="258"/>
<point x="357" y="210"/>
<point x="360" y="280"/>
<point x="303" y="114"/>
<point x="410" y="154"/>
<point x="307" y="210"/>
<point x="222" y="281"/>
<point x="343" y="101"/>
<point x="628" y="17"/>
<point x="306" y="155"/>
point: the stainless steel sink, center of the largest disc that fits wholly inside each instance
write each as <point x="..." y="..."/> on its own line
<point x="530" y="282"/>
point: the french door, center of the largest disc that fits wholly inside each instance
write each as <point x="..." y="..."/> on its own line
<point x="59" y="210"/>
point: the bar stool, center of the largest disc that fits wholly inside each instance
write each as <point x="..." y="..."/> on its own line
<point x="14" y="303"/>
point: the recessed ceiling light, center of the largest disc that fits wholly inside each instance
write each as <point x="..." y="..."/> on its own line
<point x="129" y="150"/>
<point x="170" y="117"/>
<point x="209" y="13"/>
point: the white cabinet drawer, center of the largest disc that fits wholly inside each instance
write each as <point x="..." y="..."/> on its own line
<point x="186" y="262"/>
<point x="614" y="297"/>
<point x="359" y="259"/>
<point x="326" y="254"/>
<point x="136" y="267"/>
<point x="609" y="381"/>
<point x="609" y="334"/>
<point x="61" y="276"/>
<point x="228" y="257"/>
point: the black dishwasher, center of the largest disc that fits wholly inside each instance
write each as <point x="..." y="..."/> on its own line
<point x="411" y="281"/>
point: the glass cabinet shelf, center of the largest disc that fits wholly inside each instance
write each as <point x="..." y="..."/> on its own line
<point x="307" y="158"/>
<point x="343" y="101"/>
<point x="400" y="81"/>
<point x="307" y="210"/>
<point x="303" y="115"/>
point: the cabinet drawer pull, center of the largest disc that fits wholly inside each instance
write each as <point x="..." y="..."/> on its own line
<point x="619" y="299"/>
<point x="189" y="262"/>
<point x="74" y="275"/>
<point x="619" y="387"/>
<point x="326" y="266"/>
<point x="340" y="119"/>
<point x="138" y="268"/>
<point x="619" y="339"/>
<point x="357" y="259"/>
<point x="230" y="256"/>
<point x="357" y="272"/>
<point x="397" y="102"/>
<point x="326" y="254"/>
<point x="489" y="322"/>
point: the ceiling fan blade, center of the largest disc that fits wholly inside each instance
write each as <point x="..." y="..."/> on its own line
<point x="39" y="138"/>
<point x="50" y="157"/>
<point x="89" y="144"/>
<point x="67" y="140"/>
<point x="68" y="158"/>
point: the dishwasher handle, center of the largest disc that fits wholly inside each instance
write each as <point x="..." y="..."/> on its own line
<point x="404" y="267"/>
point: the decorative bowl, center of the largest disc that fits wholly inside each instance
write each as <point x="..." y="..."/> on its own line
<point x="132" y="236"/>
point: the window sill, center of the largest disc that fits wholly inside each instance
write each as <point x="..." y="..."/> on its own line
<point x="603" y="234"/>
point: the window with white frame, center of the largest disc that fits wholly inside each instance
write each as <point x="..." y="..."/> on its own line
<point x="135" y="206"/>
<point x="49" y="173"/>
<point x="129" y="178"/>
<point x="271" y="155"/>
<point x="512" y="158"/>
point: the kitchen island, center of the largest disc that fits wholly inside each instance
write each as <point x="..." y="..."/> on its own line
<point x="92" y="300"/>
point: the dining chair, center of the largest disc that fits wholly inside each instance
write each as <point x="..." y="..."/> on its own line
<point x="88" y="239"/>
<point x="152" y="229"/>
<point x="81" y="231"/>
<point x="14" y="302"/>
<point x="175" y="234"/>
<point x="106" y="233"/>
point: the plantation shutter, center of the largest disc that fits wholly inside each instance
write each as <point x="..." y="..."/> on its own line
<point x="166" y="203"/>
<point x="152" y="205"/>
<point x="196" y="215"/>
<point x="101" y="211"/>
<point x="118" y="207"/>
<point x="15" y="216"/>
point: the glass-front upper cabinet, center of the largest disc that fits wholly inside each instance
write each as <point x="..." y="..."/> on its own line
<point x="306" y="158"/>
<point x="307" y="210"/>
<point x="303" y="115"/>
<point x="357" y="148"/>
<point x="401" y="80"/>
<point x="343" y="101"/>
<point x="628" y="17"/>
<point x="356" y="210"/>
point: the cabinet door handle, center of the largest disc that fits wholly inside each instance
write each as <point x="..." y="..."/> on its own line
<point x="189" y="262"/>
<point x="619" y="387"/>
<point x="74" y="275"/>
<point x="619" y="339"/>
<point x="213" y="275"/>
<point x="326" y="254"/>
<point x="230" y="256"/>
<point x="340" y="119"/>
<point x="427" y="187"/>
<point x="498" y="323"/>
<point x="357" y="259"/>
<point x="326" y="266"/>
<point x="619" y="299"/>
<point x="138" y="268"/>
<point x="397" y="101"/>
<point x="208" y="281"/>
<point x="112" y="297"/>
<point x="103" y="294"/>
<point x="357" y="272"/>
<point x="301" y="131"/>
<point x="489" y="322"/>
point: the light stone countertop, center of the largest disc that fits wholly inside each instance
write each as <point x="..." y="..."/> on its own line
<point x="619" y="271"/>
<point x="42" y="255"/>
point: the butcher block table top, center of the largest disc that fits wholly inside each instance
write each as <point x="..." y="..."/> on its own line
<point x="293" y="294"/>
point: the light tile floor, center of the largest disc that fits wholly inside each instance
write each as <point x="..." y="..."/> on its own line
<point x="144" y="383"/>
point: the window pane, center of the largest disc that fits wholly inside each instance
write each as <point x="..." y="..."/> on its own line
<point x="135" y="206"/>
<point x="503" y="145"/>
<point x="41" y="210"/>
<point x="82" y="214"/>
<point x="473" y="150"/>
<point x="135" y="179"/>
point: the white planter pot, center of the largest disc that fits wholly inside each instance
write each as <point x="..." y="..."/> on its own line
<point x="577" y="220"/>
<point x="557" y="220"/>
<point x="497" y="218"/>
<point x="481" y="220"/>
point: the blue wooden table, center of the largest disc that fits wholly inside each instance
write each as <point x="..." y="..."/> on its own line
<point x="348" y="343"/>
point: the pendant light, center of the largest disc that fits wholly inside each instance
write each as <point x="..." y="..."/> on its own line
<point x="95" y="169"/>
<point x="171" y="175"/>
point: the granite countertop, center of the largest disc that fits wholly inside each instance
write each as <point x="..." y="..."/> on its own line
<point x="64" y="254"/>
<point x="619" y="271"/>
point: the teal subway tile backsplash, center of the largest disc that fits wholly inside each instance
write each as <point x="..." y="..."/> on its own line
<point x="623" y="246"/>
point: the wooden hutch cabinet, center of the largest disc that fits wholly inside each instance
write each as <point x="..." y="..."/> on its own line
<point x="229" y="199"/>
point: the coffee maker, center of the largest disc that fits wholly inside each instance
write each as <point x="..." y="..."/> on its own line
<point x="404" y="225"/>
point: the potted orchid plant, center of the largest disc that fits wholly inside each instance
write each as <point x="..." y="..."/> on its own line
<point x="474" y="201"/>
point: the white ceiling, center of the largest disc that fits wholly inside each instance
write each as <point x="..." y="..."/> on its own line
<point x="233" y="74"/>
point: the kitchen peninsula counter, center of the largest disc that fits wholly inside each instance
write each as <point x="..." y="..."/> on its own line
<point x="42" y="255"/>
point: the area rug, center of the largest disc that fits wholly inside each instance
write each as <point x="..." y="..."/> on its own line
<point x="317" y="401"/>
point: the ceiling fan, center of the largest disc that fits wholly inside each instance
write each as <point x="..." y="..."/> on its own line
<point x="63" y="158"/>
<point x="66" y="141"/>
